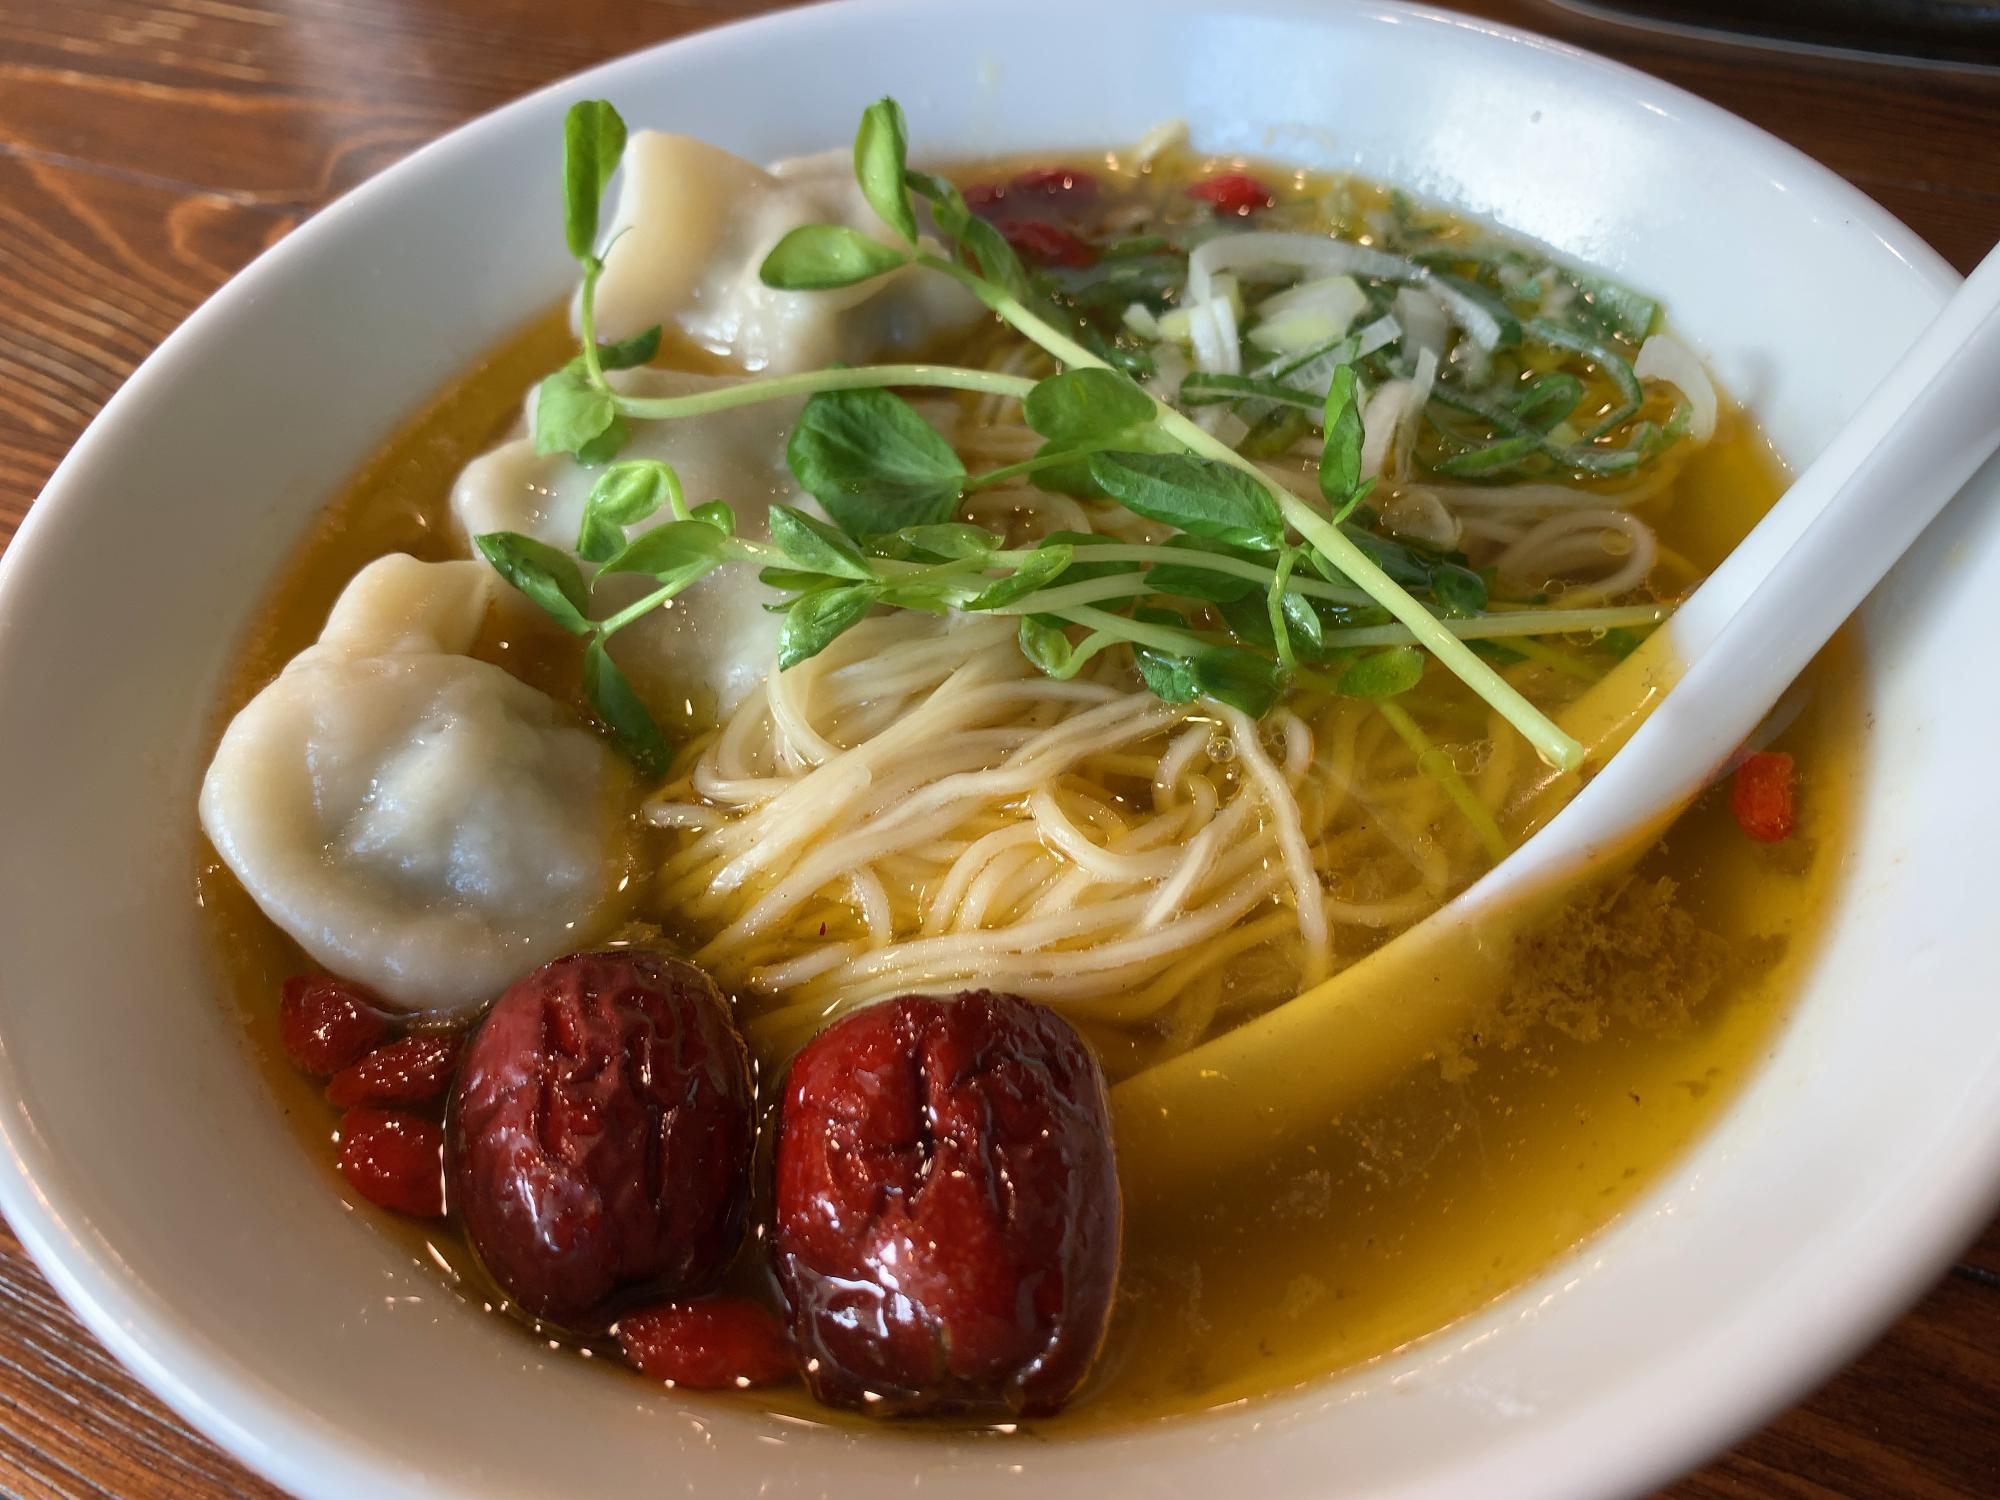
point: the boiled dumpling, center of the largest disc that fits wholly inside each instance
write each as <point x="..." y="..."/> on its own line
<point x="420" y="821"/>
<point x="694" y="660"/>
<point x="694" y="225"/>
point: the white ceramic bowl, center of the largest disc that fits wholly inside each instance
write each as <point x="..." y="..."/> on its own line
<point x="144" y="1163"/>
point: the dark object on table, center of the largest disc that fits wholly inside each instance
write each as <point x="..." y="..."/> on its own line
<point x="1960" y="31"/>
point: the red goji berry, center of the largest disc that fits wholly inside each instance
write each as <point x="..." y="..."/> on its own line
<point x="1234" y="193"/>
<point x="1761" y="796"/>
<point x="416" y="1070"/>
<point x="326" y="1023"/>
<point x="1055" y="182"/>
<point x="717" y="1344"/>
<point x="1049" y="244"/>
<point x="394" y="1159"/>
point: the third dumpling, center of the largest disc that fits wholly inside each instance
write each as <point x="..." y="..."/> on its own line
<point x="694" y="223"/>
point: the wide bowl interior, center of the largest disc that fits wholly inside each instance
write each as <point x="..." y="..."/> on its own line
<point x="145" y="1164"/>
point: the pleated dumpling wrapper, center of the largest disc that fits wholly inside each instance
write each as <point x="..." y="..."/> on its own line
<point x="419" y="820"/>
<point x="689" y="234"/>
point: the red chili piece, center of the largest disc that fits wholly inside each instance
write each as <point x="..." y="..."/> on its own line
<point x="326" y="1023"/>
<point x="601" y="1133"/>
<point x="1055" y="182"/>
<point x="946" y="1216"/>
<point x="1234" y="193"/>
<point x="1048" y="244"/>
<point x="1037" y="192"/>
<point x="395" y="1159"/>
<point x="718" y="1344"/>
<point x="1761" y="796"/>
<point x="416" y="1070"/>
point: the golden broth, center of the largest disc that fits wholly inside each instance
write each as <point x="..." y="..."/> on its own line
<point x="1455" y="1184"/>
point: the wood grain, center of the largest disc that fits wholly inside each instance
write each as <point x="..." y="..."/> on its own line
<point x="148" y="148"/>
<point x="75" y="1423"/>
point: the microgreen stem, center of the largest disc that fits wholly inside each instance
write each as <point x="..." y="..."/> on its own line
<point x="586" y="319"/>
<point x="1554" y="660"/>
<point x="738" y="549"/>
<point x="1088" y="647"/>
<point x="903" y="572"/>
<point x="1473" y="717"/>
<point x="676" y="496"/>
<point x="1506" y="626"/>
<point x="1274" y="604"/>
<point x="1138" y="632"/>
<point x="612" y="624"/>
<point x="1015" y="313"/>
<point x="1032" y="465"/>
<point x="748" y="549"/>
<point x="778" y="387"/>
<point x="1435" y="764"/>
<point x="1064" y="597"/>
<point x="1213" y="562"/>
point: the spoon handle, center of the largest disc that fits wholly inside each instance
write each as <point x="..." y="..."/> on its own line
<point x="1908" y="448"/>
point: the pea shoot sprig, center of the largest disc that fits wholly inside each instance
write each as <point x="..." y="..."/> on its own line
<point x="1303" y="596"/>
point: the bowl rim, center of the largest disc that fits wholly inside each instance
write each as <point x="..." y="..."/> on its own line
<point x="273" y="1433"/>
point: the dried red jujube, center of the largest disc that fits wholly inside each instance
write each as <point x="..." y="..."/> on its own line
<point x="600" y="1133"/>
<point x="947" y="1215"/>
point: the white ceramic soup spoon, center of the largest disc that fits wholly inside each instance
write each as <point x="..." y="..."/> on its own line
<point x="1727" y="655"/>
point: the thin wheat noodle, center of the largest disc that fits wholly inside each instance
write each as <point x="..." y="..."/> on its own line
<point x="807" y="967"/>
<point x="1098" y="969"/>
<point x="1284" y="811"/>
<point x="951" y="892"/>
<point x="1550" y="497"/>
<point x="874" y="903"/>
<point x="1017" y="776"/>
<point x="1180" y="755"/>
<point x="1174" y="892"/>
<point x="984" y="892"/>
<point x="1554" y="549"/>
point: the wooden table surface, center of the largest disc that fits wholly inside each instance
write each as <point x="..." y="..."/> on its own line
<point x="150" y="147"/>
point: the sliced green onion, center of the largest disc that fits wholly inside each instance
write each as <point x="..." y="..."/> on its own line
<point x="1617" y="369"/>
